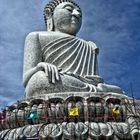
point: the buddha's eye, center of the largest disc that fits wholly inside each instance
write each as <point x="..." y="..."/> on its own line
<point x="69" y="8"/>
<point x="78" y="10"/>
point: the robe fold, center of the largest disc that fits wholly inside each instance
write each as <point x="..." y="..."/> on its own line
<point x="72" y="55"/>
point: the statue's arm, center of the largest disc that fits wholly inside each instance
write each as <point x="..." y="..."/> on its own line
<point x="95" y="74"/>
<point x="32" y="56"/>
<point x="33" y="60"/>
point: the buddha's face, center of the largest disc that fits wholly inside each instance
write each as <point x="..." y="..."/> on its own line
<point x="67" y="18"/>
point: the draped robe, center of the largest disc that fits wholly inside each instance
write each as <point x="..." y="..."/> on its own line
<point x="71" y="54"/>
<point x="75" y="57"/>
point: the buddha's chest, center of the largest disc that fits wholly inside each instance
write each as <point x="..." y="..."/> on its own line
<point x="69" y="53"/>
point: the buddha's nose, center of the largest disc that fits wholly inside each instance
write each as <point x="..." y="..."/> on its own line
<point x="76" y="13"/>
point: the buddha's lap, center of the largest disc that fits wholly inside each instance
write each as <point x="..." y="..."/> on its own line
<point x="40" y="82"/>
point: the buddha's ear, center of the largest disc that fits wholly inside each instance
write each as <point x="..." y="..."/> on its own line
<point x="50" y="24"/>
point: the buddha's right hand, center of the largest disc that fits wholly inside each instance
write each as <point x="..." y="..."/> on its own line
<point x="50" y="70"/>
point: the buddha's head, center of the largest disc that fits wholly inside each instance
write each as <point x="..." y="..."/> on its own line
<point x="63" y="16"/>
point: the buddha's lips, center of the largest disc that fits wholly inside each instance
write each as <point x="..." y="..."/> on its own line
<point x="75" y="17"/>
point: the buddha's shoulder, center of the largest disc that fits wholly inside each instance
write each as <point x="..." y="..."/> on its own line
<point x="46" y="35"/>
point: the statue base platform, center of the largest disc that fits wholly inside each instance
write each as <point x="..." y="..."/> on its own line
<point x="72" y="116"/>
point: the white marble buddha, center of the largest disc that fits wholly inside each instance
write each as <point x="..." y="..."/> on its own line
<point x="56" y="60"/>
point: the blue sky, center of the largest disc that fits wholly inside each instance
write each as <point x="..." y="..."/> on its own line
<point x="114" y="25"/>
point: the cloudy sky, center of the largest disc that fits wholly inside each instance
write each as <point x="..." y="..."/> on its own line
<point x="114" y="25"/>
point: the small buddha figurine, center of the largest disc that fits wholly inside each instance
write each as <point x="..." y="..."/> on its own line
<point x="56" y="60"/>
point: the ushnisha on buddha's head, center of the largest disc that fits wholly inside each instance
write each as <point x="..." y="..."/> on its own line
<point x="63" y="16"/>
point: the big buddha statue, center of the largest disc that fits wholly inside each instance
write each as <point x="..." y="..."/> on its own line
<point x="56" y="60"/>
<point x="65" y="97"/>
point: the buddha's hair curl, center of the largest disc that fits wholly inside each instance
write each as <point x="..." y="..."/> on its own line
<point x="49" y="8"/>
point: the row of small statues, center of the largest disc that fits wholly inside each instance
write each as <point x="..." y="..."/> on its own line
<point x="57" y="111"/>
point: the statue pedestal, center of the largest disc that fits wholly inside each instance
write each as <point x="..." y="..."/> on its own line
<point x="70" y="115"/>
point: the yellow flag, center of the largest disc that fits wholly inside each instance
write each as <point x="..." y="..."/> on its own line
<point x="116" y="111"/>
<point x="73" y="111"/>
